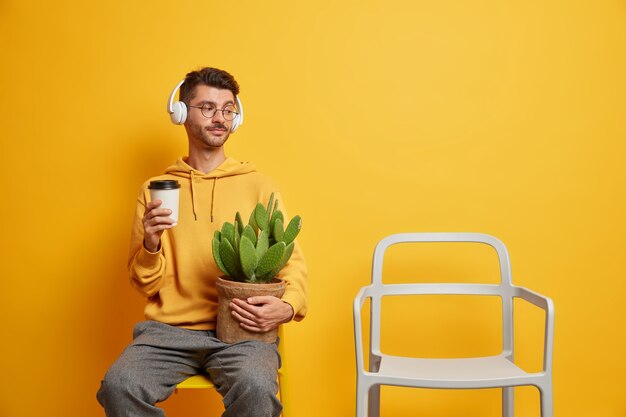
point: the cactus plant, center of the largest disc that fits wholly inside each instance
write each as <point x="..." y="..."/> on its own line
<point x="256" y="252"/>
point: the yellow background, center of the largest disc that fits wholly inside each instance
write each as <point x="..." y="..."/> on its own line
<point x="503" y="117"/>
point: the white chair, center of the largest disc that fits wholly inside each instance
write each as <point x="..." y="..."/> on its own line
<point x="459" y="373"/>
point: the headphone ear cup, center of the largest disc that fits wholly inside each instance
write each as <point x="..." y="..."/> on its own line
<point x="235" y="124"/>
<point x="179" y="113"/>
<point x="238" y="120"/>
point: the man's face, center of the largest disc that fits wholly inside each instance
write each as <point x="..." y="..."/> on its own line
<point x="209" y="132"/>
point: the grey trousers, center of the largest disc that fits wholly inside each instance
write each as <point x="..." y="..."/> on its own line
<point x="161" y="356"/>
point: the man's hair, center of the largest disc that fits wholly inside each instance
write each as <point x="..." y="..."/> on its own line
<point x="211" y="77"/>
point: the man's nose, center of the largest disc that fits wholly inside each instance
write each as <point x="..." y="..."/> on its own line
<point x="218" y="116"/>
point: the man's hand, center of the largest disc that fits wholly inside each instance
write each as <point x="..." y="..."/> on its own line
<point x="155" y="221"/>
<point x="262" y="313"/>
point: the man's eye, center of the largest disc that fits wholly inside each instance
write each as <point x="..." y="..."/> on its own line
<point x="208" y="108"/>
<point x="228" y="112"/>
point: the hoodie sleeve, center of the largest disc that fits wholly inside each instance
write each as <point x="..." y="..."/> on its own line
<point x="295" y="273"/>
<point x="146" y="268"/>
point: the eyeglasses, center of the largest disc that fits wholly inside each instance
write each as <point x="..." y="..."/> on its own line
<point x="208" y="111"/>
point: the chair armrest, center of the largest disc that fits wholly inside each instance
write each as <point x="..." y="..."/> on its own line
<point x="358" y="333"/>
<point x="546" y="304"/>
<point x="532" y="297"/>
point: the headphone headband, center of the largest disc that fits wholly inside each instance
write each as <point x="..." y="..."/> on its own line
<point x="178" y="110"/>
<point x="170" y="101"/>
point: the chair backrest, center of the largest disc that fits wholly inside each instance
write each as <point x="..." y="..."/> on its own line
<point x="504" y="289"/>
<point x="384" y="244"/>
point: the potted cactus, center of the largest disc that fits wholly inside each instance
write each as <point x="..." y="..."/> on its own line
<point x="251" y="256"/>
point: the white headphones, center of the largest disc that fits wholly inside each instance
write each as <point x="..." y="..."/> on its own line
<point x="178" y="110"/>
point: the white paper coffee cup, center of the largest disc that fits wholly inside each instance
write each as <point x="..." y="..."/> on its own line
<point x="167" y="191"/>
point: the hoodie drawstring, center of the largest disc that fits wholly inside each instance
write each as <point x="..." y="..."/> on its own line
<point x="228" y="168"/>
<point x="193" y="198"/>
<point x="213" y="197"/>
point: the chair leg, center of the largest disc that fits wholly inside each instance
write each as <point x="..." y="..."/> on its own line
<point x="547" y="407"/>
<point x="507" y="401"/>
<point x="374" y="401"/>
<point x="362" y="399"/>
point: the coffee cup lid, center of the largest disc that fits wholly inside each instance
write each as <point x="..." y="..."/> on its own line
<point x="164" y="185"/>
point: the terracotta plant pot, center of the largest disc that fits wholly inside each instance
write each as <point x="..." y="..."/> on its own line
<point x="229" y="329"/>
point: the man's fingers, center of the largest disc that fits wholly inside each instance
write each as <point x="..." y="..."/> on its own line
<point x="246" y="322"/>
<point x="251" y="325"/>
<point x="157" y="217"/>
<point x="158" y="221"/>
<point x="158" y="228"/>
<point x="244" y="309"/>
<point x="154" y="214"/>
<point x="261" y="313"/>
<point x="261" y="299"/>
<point x="152" y="204"/>
<point x="158" y="214"/>
<point x="253" y="329"/>
<point x="155" y="221"/>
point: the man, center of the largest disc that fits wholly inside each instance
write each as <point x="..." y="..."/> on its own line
<point x="172" y="265"/>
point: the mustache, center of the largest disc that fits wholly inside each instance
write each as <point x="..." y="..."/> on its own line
<point x="217" y="126"/>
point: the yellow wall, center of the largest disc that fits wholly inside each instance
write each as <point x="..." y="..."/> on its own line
<point x="375" y="117"/>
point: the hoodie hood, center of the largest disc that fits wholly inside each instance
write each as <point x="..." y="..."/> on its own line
<point x="227" y="168"/>
<point x="230" y="167"/>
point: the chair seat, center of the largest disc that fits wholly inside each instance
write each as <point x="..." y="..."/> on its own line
<point x="196" y="381"/>
<point x="448" y="373"/>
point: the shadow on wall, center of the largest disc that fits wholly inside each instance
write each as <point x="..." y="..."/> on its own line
<point x="114" y="305"/>
<point x="120" y="305"/>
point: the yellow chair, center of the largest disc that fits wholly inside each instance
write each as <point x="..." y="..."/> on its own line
<point x="203" y="381"/>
